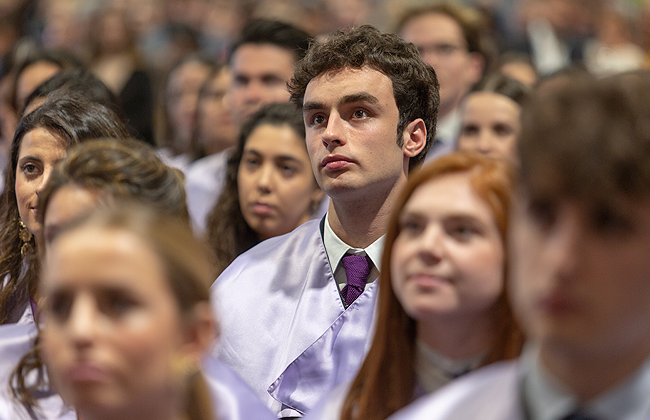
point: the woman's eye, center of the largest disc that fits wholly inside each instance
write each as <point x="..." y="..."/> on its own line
<point x="503" y="130"/>
<point x="251" y="162"/>
<point x="411" y="227"/>
<point x="29" y="169"/>
<point x="469" y="130"/>
<point x="116" y="304"/>
<point x="288" y="170"/>
<point x="463" y="232"/>
<point x="58" y="306"/>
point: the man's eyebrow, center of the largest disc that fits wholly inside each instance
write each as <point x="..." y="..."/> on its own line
<point x="359" y="97"/>
<point x="355" y="97"/>
<point x="310" y="106"/>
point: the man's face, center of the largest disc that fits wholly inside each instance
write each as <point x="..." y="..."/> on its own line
<point x="351" y="123"/>
<point x="260" y="75"/>
<point x="442" y="45"/>
<point x="581" y="274"/>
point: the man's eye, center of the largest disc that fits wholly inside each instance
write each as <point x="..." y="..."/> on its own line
<point x="317" y="120"/>
<point x="542" y="212"/>
<point x="360" y="113"/>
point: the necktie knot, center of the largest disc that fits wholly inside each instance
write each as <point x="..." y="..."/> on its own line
<point x="357" y="269"/>
<point x="577" y="415"/>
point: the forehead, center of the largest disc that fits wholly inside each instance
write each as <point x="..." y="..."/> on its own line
<point x="96" y="257"/>
<point x="432" y="27"/>
<point x="42" y="142"/>
<point x="331" y="87"/>
<point x="254" y="59"/>
<point x="193" y="73"/>
<point x="449" y="194"/>
<point x="269" y="139"/>
<point x="68" y="203"/>
<point x="490" y="103"/>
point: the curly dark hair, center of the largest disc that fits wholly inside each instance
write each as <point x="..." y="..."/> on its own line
<point x="415" y="85"/>
<point x="281" y="34"/>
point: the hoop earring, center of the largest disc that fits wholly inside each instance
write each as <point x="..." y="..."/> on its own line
<point x="26" y="236"/>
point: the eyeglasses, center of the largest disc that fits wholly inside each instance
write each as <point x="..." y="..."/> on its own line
<point x="442" y="49"/>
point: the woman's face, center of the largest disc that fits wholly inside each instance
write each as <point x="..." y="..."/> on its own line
<point x="490" y="125"/>
<point x="275" y="181"/>
<point x="448" y="258"/>
<point x="113" y="333"/>
<point x="183" y="90"/>
<point x="216" y="127"/>
<point x="38" y="153"/>
<point x="66" y="205"/>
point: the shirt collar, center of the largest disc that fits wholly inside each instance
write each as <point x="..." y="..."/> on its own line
<point x="548" y="399"/>
<point x="336" y="248"/>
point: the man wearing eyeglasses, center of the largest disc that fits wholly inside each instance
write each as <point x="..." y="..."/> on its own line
<point x="450" y="38"/>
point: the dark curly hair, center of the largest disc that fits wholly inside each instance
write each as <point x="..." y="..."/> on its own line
<point x="415" y="85"/>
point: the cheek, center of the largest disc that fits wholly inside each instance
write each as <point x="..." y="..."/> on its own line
<point x="483" y="271"/>
<point x="397" y="268"/>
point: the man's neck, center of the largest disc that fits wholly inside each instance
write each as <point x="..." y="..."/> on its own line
<point x="589" y="376"/>
<point x="360" y="221"/>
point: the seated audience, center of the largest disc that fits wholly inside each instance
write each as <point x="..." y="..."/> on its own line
<point x="443" y="308"/>
<point x="580" y="276"/>
<point x="126" y="320"/>
<point x="297" y="311"/>
<point x="270" y="188"/>
<point x="490" y="120"/>
<point x="42" y="138"/>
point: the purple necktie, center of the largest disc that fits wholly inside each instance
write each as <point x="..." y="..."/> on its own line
<point x="357" y="269"/>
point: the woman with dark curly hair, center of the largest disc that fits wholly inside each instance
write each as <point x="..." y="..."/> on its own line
<point x="42" y="138"/>
<point x="270" y="188"/>
<point x="110" y="173"/>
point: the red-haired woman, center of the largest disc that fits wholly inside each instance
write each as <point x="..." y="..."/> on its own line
<point x="443" y="309"/>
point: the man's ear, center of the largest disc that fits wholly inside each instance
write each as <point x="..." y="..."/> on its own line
<point x="415" y="138"/>
<point x="476" y="68"/>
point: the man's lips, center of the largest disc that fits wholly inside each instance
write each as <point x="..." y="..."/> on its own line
<point x="336" y="162"/>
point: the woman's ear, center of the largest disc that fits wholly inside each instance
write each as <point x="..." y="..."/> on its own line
<point x="201" y="330"/>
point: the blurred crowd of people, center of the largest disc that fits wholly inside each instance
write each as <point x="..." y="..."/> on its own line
<point x="219" y="209"/>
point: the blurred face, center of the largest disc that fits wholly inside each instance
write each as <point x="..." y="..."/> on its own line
<point x="490" y="125"/>
<point x="351" y="121"/>
<point x="442" y="45"/>
<point x="448" y="259"/>
<point x="112" y="325"/>
<point x="275" y="182"/>
<point x="183" y="90"/>
<point x="260" y="74"/>
<point x="31" y="77"/>
<point x="38" y="153"/>
<point x="215" y="118"/>
<point x="66" y="205"/>
<point x="581" y="274"/>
